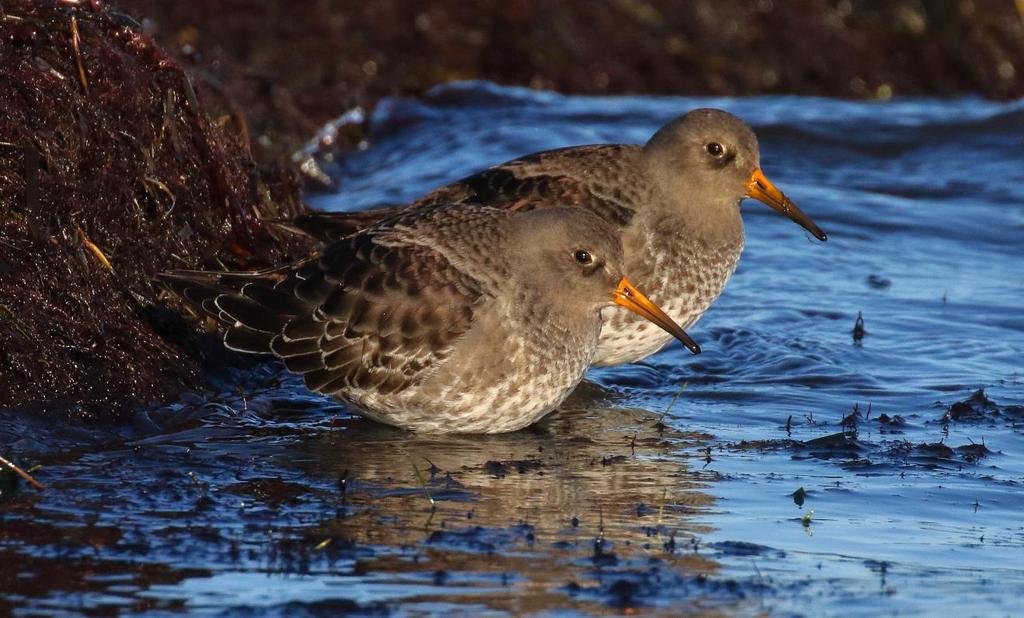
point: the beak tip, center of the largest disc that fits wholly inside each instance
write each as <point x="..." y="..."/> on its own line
<point x="762" y="190"/>
<point x="631" y="298"/>
<point x="688" y="342"/>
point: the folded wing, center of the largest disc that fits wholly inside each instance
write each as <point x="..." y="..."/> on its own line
<point x="370" y="312"/>
<point x="551" y="178"/>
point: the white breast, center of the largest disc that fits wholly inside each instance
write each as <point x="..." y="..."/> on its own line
<point x="685" y="296"/>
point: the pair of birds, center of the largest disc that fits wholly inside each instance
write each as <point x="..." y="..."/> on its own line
<point x="478" y="308"/>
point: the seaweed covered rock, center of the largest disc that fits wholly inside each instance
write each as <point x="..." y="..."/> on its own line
<point x="115" y="163"/>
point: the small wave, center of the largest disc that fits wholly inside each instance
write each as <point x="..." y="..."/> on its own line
<point x="873" y="126"/>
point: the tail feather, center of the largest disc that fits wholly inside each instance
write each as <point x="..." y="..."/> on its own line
<point x="304" y="363"/>
<point x="280" y="301"/>
<point x="285" y="349"/>
<point x="249" y="313"/>
<point x="306" y="327"/>
<point x="248" y="304"/>
<point x="242" y="339"/>
<point x="193" y="290"/>
<point x="330" y="226"/>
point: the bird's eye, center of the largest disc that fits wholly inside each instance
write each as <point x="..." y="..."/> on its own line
<point x="714" y="149"/>
<point x="583" y="257"/>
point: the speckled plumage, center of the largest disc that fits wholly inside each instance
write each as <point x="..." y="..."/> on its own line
<point x="676" y="207"/>
<point x="445" y="318"/>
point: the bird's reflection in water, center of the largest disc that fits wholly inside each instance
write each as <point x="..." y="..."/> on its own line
<point x="596" y="509"/>
<point x="573" y="507"/>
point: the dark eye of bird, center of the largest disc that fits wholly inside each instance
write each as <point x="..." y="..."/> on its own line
<point x="583" y="257"/>
<point x="714" y="149"/>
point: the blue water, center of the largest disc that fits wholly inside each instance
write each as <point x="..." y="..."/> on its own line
<point x="271" y="500"/>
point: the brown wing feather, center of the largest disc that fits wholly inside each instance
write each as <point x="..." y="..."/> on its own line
<point x="373" y="312"/>
<point x="390" y="314"/>
<point x="331" y="226"/>
<point x="559" y="177"/>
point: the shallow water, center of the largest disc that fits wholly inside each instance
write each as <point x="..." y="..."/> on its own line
<point x="752" y="494"/>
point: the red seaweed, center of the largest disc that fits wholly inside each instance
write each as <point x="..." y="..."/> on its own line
<point x="114" y="165"/>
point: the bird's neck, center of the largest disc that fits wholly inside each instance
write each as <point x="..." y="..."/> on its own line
<point x="716" y="225"/>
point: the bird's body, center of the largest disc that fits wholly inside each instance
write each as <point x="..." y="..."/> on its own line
<point x="674" y="202"/>
<point x="445" y="318"/>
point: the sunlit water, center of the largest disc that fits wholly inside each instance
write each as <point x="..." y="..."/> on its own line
<point x="752" y="495"/>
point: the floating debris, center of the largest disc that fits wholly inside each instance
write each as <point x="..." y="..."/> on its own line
<point x="878" y="282"/>
<point x="858" y="328"/>
<point x="973" y="452"/>
<point x="976" y="407"/>
<point x="25" y="475"/>
<point x="798" y="496"/>
<point x="895" y="420"/>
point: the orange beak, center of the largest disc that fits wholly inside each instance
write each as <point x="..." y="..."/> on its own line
<point x="762" y="190"/>
<point x="631" y="298"/>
